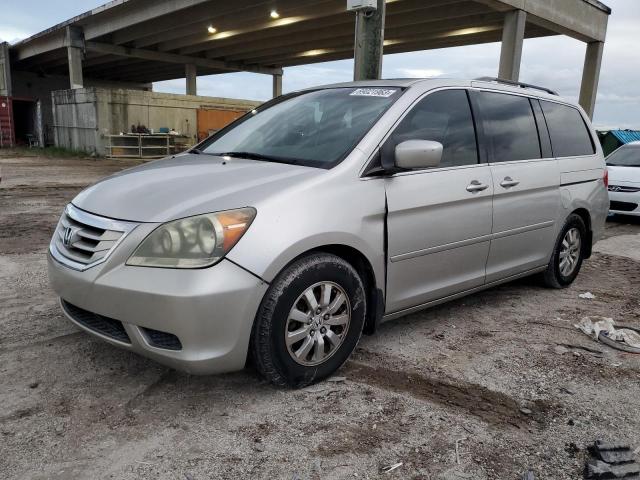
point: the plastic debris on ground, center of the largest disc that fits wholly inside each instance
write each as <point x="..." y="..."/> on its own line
<point x="391" y="468"/>
<point x="587" y="295"/>
<point x="605" y="331"/>
<point x="611" y="461"/>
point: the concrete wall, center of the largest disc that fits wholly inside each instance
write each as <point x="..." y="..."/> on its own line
<point x="75" y="120"/>
<point x="40" y="87"/>
<point x="85" y="116"/>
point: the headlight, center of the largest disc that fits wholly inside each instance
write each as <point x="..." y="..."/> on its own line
<point x="193" y="242"/>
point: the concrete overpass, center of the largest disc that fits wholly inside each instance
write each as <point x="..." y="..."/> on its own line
<point x="143" y="41"/>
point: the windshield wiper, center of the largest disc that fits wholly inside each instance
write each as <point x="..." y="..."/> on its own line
<point x="257" y="156"/>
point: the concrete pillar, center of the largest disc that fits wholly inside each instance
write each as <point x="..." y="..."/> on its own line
<point x="512" y="40"/>
<point x="5" y="71"/>
<point x="191" y="74"/>
<point x="75" y="54"/>
<point x="369" y="43"/>
<point x="591" y="76"/>
<point x="277" y="85"/>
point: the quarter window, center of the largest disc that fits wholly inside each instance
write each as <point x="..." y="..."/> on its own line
<point x="509" y="126"/>
<point x="443" y="117"/>
<point x="569" y="134"/>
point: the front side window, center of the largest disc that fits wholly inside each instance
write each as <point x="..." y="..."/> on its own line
<point x="569" y="134"/>
<point x="444" y="117"/>
<point x="316" y="129"/>
<point x="628" y="156"/>
<point x="509" y="126"/>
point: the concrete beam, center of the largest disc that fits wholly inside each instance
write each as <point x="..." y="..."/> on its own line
<point x="277" y="85"/>
<point x="512" y="40"/>
<point x="107" y="48"/>
<point x="369" y="44"/>
<point x="74" y="40"/>
<point x="191" y="74"/>
<point x="580" y="19"/>
<point x="425" y="42"/>
<point x="172" y="29"/>
<point x="591" y="76"/>
<point x="343" y="37"/>
<point x="328" y="18"/>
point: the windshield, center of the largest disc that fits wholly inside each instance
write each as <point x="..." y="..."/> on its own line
<point x="316" y="129"/>
<point x="625" y="157"/>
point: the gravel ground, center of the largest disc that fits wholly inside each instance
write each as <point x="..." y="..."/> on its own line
<point x="486" y="387"/>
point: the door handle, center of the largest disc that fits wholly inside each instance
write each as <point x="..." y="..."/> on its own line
<point x="476" y="186"/>
<point x="509" y="182"/>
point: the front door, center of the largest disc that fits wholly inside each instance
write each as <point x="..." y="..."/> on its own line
<point x="439" y="219"/>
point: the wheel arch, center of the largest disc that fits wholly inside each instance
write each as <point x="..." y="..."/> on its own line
<point x="364" y="267"/>
<point x="584" y="214"/>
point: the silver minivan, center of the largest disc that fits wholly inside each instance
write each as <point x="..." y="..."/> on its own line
<point x="314" y="218"/>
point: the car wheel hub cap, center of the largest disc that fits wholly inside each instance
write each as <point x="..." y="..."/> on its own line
<point x="570" y="252"/>
<point x="318" y="323"/>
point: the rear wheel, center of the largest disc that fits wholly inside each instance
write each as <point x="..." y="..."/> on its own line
<point x="568" y="254"/>
<point x="309" y="322"/>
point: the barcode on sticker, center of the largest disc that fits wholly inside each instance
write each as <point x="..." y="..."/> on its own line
<point x="373" y="92"/>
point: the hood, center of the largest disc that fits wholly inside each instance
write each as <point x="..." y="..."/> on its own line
<point x="188" y="185"/>
<point x="623" y="175"/>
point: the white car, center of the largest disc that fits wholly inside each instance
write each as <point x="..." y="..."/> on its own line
<point x="624" y="180"/>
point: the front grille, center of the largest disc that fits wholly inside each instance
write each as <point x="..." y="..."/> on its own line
<point x="159" y="339"/>
<point x="106" y="326"/>
<point x="623" y="189"/>
<point x="82" y="240"/>
<point x="623" y="206"/>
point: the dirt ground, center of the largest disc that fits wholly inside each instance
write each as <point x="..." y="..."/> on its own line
<point x="486" y="387"/>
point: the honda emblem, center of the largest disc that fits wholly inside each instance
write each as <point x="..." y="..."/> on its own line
<point x="67" y="237"/>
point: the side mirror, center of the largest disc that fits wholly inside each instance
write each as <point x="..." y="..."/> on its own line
<point x="418" y="154"/>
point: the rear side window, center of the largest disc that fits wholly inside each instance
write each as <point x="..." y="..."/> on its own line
<point x="443" y="117"/>
<point x="569" y="134"/>
<point x="509" y="126"/>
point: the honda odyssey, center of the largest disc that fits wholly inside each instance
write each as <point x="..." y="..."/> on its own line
<point x="324" y="212"/>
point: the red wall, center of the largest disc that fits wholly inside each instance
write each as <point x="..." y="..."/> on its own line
<point x="7" y="134"/>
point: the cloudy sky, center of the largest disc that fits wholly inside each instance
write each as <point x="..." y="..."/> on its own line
<point x="555" y="62"/>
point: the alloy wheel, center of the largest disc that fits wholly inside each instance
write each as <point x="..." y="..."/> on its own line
<point x="317" y="323"/>
<point x="570" y="252"/>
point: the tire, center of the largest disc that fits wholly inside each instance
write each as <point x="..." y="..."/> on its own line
<point x="286" y="310"/>
<point x="557" y="274"/>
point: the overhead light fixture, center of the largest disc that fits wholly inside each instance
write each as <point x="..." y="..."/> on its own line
<point x="314" y="53"/>
<point x="274" y="14"/>
<point x="211" y="29"/>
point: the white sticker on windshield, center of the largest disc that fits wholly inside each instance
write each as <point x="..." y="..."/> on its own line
<point x="373" y="92"/>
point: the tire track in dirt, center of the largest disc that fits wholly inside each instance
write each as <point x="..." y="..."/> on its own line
<point x="495" y="408"/>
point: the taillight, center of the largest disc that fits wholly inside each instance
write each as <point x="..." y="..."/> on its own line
<point x="605" y="177"/>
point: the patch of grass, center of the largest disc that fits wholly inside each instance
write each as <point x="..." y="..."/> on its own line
<point x="55" y="152"/>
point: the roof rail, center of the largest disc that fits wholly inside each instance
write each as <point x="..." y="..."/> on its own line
<point x="517" y="84"/>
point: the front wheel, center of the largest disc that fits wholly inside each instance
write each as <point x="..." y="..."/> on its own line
<point x="309" y="322"/>
<point x="568" y="254"/>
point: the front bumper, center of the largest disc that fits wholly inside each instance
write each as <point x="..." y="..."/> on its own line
<point x="210" y="311"/>
<point x="624" y="203"/>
